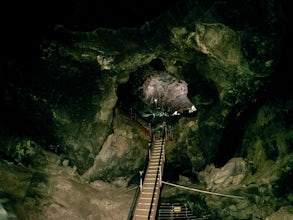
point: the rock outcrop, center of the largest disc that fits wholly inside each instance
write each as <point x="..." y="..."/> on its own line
<point x="65" y="139"/>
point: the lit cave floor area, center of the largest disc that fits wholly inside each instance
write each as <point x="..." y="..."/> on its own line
<point x="58" y="191"/>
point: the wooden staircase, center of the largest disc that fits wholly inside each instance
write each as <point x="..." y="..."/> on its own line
<point x="147" y="203"/>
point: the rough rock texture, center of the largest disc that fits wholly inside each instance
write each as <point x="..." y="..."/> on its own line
<point x="54" y="190"/>
<point x="122" y="154"/>
<point x="67" y="111"/>
<point x="219" y="61"/>
<point x="154" y="91"/>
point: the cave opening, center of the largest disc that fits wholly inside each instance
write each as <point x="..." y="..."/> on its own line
<point x="230" y="143"/>
<point x="155" y="95"/>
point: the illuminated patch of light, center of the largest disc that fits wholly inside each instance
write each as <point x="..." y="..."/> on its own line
<point x="192" y="109"/>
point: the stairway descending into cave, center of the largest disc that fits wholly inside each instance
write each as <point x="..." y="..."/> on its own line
<point x="147" y="203"/>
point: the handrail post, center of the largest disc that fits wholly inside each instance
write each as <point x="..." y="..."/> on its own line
<point x="150" y="151"/>
<point x="140" y="182"/>
<point x="160" y="175"/>
<point x="164" y="157"/>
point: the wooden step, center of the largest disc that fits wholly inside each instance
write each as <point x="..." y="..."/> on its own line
<point x="154" y="161"/>
<point x="153" y="167"/>
<point x="156" y="154"/>
<point x="149" y="179"/>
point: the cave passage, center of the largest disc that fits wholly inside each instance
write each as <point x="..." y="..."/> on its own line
<point x="155" y="95"/>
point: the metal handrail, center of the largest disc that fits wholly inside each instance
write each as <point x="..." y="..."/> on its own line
<point x="156" y="184"/>
<point x="159" y="172"/>
<point x="133" y="203"/>
<point x="136" y="117"/>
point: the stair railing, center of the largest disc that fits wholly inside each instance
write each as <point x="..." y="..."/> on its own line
<point x="158" y="175"/>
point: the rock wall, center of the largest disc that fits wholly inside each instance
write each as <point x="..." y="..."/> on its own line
<point x="240" y="141"/>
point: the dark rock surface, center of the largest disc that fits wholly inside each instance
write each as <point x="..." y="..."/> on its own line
<point x="63" y="131"/>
